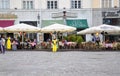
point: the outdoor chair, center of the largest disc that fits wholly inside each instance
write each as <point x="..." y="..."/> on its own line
<point x="44" y="45"/>
<point x="115" y="45"/>
<point x="38" y="46"/>
<point x="61" y="45"/>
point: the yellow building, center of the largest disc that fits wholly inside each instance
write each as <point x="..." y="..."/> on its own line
<point x="105" y="3"/>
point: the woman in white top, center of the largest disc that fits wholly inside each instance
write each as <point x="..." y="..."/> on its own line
<point x="3" y="44"/>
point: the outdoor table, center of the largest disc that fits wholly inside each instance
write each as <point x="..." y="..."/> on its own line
<point x="107" y="45"/>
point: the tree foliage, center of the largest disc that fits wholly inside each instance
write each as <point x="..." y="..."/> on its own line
<point x="74" y="38"/>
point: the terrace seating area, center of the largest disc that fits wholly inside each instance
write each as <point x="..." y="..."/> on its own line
<point x="101" y="46"/>
<point x="82" y="46"/>
<point x="61" y="45"/>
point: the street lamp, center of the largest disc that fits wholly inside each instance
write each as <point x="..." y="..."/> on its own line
<point x="64" y="15"/>
<point x="38" y="22"/>
<point x="38" y="25"/>
<point x="64" y="12"/>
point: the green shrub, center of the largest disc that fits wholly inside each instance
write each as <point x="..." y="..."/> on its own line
<point x="79" y="39"/>
<point x="74" y="38"/>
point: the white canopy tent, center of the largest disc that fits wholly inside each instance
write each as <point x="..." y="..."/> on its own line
<point x="1" y="29"/>
<point x="22" y="28"/>
<point x="57" y="28"/>
<point x="104" y="28"/>
<point x="101" y="28"/>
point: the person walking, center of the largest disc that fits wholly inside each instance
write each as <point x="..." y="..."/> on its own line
<point x="0" y="45"/>
<point x="54" y="45"/>
<point x="3" y="44"/>
<point x="98" y="40"/>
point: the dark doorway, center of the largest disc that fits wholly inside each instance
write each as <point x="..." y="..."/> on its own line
<point x="11" y="35"/>
<point x="47" y="36"/>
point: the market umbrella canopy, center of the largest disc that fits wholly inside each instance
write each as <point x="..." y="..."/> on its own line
<point x="101" y="28"/>
<point x="22" y="28"/>
<point x="1" y="29"/>
<point x="57" y="28"/>
<point x="89" y="30"/>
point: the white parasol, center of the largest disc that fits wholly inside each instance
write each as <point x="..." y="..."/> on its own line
<point x="101" y="28"/>
<point x="22" y="28"/>
<point x="57" y="28"/>
<point x="1" y="29"/>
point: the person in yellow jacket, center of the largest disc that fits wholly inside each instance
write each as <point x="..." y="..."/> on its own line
<point x="54" y="45"/>
<point x="9" y="44"/>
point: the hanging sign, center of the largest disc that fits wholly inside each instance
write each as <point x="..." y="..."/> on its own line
<point x="7" y="16"/>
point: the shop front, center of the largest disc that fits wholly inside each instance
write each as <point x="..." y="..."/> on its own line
<point x="80" y="24"/>
<point x="112" y="18"/>
<point x="7" y="20"/>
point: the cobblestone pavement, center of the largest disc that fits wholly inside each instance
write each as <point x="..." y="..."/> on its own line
<point x="70" y="63"/>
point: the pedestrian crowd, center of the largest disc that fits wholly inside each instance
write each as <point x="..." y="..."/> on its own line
<point x="9" y="43"/>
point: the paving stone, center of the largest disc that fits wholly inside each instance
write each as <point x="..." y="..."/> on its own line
<point x="70" y="63"/>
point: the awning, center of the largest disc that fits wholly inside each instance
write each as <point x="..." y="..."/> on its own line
<point x="6" y="23"/>
<point x="78" y="23"/>
<point x="49" y="22"/>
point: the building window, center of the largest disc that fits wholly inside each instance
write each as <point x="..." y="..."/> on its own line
<point x="28" y="4"/>
<point x="52" y="4"/>
<point x="75" y="4"/>
<point x="4" y="4"/>
<point x="106" y="3"/>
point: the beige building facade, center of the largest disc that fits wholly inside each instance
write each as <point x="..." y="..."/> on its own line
<point x="82" y="13"/>
<point x="100" y="3"/>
